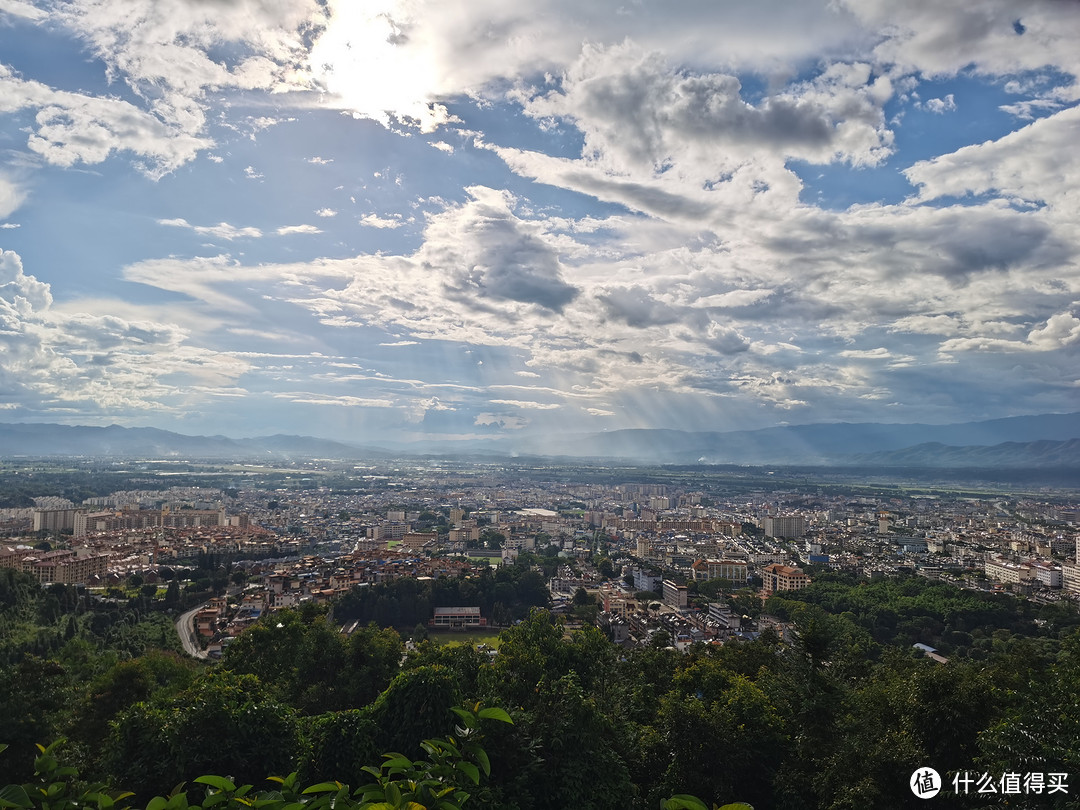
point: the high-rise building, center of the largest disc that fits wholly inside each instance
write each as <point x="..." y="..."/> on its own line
<point x="54" y="520"/>
<point x="787" y="527"/>
<point x="675" y="595"/>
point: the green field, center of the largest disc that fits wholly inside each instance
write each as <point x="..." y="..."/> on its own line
<point x="451" y="637"/>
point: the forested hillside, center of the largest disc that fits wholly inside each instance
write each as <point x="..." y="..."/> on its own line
<point x="837" y="717"/>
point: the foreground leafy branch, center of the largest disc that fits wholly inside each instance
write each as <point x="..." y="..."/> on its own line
<point x="443" y="781"/>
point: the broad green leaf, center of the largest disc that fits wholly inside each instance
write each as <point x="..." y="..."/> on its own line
<point x="323" y="787"/>
<point x="482" y="758"/>
<point x="495" y="713"/>
<point x="684" y="802"/>
<point x="14" y="796"/>
<point x="393" y="794"/>
<point x="219" y="782"/>
<point x="467" y="717"/>
<point x="470" y="770"/>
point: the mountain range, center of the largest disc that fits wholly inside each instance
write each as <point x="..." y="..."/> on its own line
<point x="1044" y="441"/>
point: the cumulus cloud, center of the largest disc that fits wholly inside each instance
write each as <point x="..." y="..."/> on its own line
<point x="71" y="128"/>
<point x="164" y="45"/>
<point x="287" y="230"/>
<point x="639" y="113"/>
<point x="425" y="53"/>
<point x="939" y="106"/>
<point x="942" y="39"/>
<point x="1035" y="163"/>
<point x="93" y="363"/>
<point x="504" y="421"/>
<point x="1059" y="331"/>
<point x="375" y="221"/>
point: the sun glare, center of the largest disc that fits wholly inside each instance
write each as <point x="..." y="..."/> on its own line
<point x="367" y="61"/>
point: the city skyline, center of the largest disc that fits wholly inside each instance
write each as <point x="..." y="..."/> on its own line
<point x="466" y="221"/>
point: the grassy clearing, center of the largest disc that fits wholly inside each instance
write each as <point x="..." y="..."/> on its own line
<point x="450" y="638"/>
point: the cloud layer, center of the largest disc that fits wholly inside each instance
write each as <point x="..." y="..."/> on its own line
<point x="705" y="215"/>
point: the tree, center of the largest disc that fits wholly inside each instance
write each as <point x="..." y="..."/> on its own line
<point x="172" y="594"/>
<point x="724" y="740"/>
<point x="222" y="722"/>
<point x="34" y="704"/>
<point x="491" y="539"/>
<point x="414" y="707"/>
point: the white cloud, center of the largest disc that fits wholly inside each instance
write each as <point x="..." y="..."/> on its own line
<point x="287" y="230"/>
<point x="71" y="128"/>
<point x="375" y="221"/>
<point x="943" y="39"/>
<point x="505" y="421"/>
<point x="639" y="114"/>
<point x="1035" y="163"/>
<point x="223" y="230"/>
<point x="326" y="212"/>
<point x="337" y="401"/>
<point x="939" y="106"/>
<point x="880" y="353"/>
<point x="94" y="363"/>
<point x="11" y="197"/>
<point x="18" y="8"/>
<point x="526" y="404"/>
<point x="1059" y="331"/>
<point x="425" y="53"/>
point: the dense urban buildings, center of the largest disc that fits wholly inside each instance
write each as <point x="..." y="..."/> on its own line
<point x="686" y="543"/>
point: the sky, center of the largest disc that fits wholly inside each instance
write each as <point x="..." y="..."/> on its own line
<point x="400" y="220"/>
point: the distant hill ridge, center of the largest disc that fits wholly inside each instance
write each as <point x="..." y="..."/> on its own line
<point x="812" y="444"/>
<point x="1048" y="440"/>
<point x="17" y="439"/>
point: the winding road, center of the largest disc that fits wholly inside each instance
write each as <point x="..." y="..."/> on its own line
<point x="186" y="630"/>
